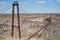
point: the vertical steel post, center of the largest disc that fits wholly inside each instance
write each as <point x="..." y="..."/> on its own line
<point x="12" y="20"/>
<point x="18" y="20"/>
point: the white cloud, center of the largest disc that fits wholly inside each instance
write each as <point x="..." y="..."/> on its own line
<point x="2" y="2"/>
<point x="23" y="3"/>
<point x="40" y="1"/>
<point x="58" y="0"/>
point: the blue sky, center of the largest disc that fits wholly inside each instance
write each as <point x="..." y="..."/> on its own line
<point x="34" y="6"/>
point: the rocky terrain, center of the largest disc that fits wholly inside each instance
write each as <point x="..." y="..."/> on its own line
<point x="31" y="23"/>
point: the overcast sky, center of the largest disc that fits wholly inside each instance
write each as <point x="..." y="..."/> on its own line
<point x="33" y="6"/>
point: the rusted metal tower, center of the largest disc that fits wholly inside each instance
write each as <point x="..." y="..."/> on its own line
<point x="17" y="5"/>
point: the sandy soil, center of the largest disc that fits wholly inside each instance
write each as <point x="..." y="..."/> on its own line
<point x="30" y="23"/>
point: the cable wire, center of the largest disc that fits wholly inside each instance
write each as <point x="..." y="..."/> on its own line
<point x="22" y="9"/>
<point x="5" y="10"/>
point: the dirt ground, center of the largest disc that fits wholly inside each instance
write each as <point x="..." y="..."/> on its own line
<point x="29" y="24"/>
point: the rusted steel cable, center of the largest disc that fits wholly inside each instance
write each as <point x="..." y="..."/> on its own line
<point x="5" y="8"/>
<point x="35" y="33"/>
<point x="45" y="26"/>
<point x="22" y="9"/>
<point x="44" y="30"/>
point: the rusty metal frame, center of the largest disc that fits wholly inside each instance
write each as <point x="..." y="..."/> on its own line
<point x="17" y="5"/>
